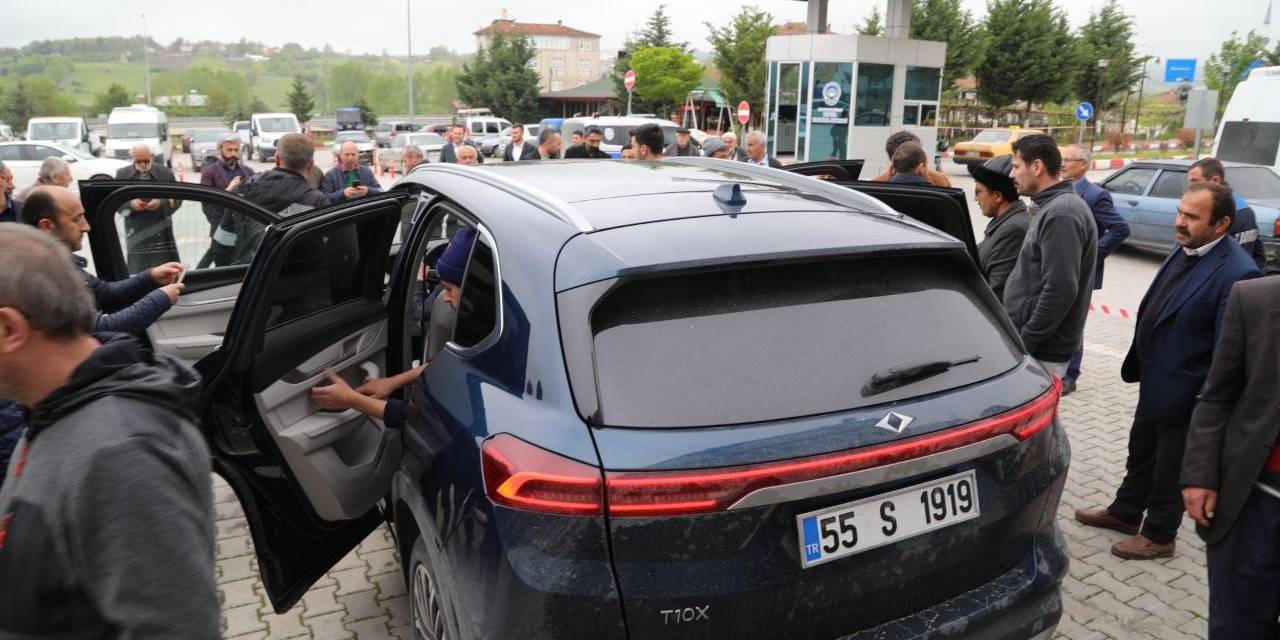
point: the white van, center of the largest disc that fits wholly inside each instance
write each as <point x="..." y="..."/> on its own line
<point x="128" y="126"/>
<point x="486" y="132"/>
<point x="1250" y="127"/>
<point x="67" y="131"/>
<point x="617" y="130"/>
<point x="265" y="129"/>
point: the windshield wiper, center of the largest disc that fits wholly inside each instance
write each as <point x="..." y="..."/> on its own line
<point x="895" y="377"/>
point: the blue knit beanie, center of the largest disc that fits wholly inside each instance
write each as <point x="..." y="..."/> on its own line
<point x="453" y="262"/>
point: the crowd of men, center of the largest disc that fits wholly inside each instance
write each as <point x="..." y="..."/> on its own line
<point x="106" y="451"/>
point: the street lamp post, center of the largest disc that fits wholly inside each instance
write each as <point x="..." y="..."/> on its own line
<point x="1137" y="111"/>
<point x="409" y="28"/>
<point x="146" y="56"/>
<point x="1097" y="109"/>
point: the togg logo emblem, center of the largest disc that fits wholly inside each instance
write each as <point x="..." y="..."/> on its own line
<point x="895" y="422"/>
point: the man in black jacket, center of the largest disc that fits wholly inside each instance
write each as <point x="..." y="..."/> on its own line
<point x="519" y="149"/>
<point x="148" y="227"/>
<point x="106" y="517"/>
<point x="458" y="139"/>
<point x="590" y="147"/>
<point x="998" y="199"/>
<point x="127" y="306"/>
<point x="1231" y="469"/>
<point x="1048" y="293"/>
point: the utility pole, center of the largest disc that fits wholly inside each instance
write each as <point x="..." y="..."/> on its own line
<point x="1097" y="109"/>
<point x="146" y="56"/>
<point x="408" y="21"/>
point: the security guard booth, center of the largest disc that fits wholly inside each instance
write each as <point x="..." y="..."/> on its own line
<point x="836" y="96"/>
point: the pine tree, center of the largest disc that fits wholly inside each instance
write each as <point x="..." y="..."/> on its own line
<point x="739" y="54"/>
<point x="947" y="21"/>
<point x="657" y="32"/>
<point x="1022" y="60"/>
<point x="873" y="25"/>
<point x="301" y="104"/>
<point x="500" y="78"/>
<point x="1108" y="35"/>
<point x="114" y="96"/>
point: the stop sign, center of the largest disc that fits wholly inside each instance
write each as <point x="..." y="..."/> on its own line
<point x="744" y="112"/>
<point x="629" y="80"/>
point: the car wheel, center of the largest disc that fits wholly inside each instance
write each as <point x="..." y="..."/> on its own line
<point x="426" y="614"/>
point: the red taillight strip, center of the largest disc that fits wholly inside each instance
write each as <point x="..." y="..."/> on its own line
<point x="523" y="476"/>
<point x="685" y="492"/>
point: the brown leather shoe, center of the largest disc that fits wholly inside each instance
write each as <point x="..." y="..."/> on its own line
<point x="1140" y="547"/>
<point x="1103" y="518"/>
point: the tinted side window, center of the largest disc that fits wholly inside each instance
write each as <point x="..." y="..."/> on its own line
<point x="478" y="305"/>
<point x="1252" y="142"/>
<point x="1130" y="181"/>
<point x="12" y="152"/>
<point x="320" y="271"/>
<point x="40" y="152"/>
<point x="1170" y="184"/>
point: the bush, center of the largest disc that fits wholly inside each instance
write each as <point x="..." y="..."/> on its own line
<point x="1186" y="136"/>
<point x="1119" y="141"/>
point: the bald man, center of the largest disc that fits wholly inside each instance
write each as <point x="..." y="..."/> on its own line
<point x="148" y="226"/>
<point x="349" y="179"/>
<point x="468" y="155"/>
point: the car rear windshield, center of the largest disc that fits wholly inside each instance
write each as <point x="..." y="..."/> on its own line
<point x="771" y="342"/>
<point x="1254" y="183"/>
<point x="1251" y="142"/>
<point x="992" y="136"/>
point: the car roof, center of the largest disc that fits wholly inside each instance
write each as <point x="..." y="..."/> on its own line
<point x="597" y="195"/>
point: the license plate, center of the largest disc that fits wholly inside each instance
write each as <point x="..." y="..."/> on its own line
<point x="854" y="527"/>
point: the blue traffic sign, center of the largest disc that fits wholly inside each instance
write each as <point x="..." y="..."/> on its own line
<point x="1180" y="70"/>
<point x="1084" y="111"/>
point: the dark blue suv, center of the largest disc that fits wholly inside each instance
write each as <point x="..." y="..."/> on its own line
<point x="687" y="399"/>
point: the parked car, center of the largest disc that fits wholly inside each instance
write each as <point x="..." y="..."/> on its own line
<point x="265" y="129"/>
<point x="348" y="119"/>
<point x="24" y="159"/>
<point x="988" y="144"/>
<point x="486" y="132"/>
<point x="1146" y="195"/>
<point x="137" y="124"/>
<point x="363" y="144"/>
<point x="6" y="133"/>
<point x="67" y="131"/>
<point x="241" y="127"/>
<point x="204" y="146"/>
<point x="693" y="398"/>
<point x="386" y="131"/>
<point x="429" y="143"/>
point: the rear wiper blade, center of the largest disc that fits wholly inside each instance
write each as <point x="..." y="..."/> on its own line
<point x="895" y="377"/>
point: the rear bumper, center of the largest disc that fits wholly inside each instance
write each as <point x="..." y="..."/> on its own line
<point x="968" y="160"/>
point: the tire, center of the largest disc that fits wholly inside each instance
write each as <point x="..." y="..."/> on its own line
<point x="426" y="615"/>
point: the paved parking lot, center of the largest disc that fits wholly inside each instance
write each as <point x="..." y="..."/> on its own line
<point x="1105" y="597"/>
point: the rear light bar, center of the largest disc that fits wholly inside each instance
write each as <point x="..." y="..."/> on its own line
<point x="522" y="476"/>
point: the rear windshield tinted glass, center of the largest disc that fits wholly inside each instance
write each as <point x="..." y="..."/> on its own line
<point x="775" y="342"/>
<point x="1252" y="142"/>
<point x="1254" y="183"/>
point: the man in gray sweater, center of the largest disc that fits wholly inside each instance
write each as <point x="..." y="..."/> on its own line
<point x="1047" y="295"/>
<point x="106" y="517"/>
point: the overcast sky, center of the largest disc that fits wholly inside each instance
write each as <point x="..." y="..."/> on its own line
<point x="1165" y="28"/>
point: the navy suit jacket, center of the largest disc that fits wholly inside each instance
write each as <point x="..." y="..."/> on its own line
<point x="1112" y="229"/>
<point x="334" y="183"/>
<point x="1180" y="349"/>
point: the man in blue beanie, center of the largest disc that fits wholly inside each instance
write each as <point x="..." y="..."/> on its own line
<point x="370" y="398"/>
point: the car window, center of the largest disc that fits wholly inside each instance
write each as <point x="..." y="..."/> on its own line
<point x="494" y="127"/>
<point x="478" y="304"/>
<point x="12" y="152"/>
<point x="1170" y="184"/>
<point x="769" y="342"/>
<point x="40" y="152"/>
<point x="203" y="234"/>
<point x="1131" y="181"/>
<point x="1251" y="142"/>
<point x="993" y="136"/>
<point x="477" y="127"/>
<point x="1254" y="183"/>
<point x="321" y="270"/>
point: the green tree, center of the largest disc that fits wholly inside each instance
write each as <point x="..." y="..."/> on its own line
<point x="35" y="96"/>
<point x="1226" y="68"/>
<point x="1023" y="57"/>
<point x="389" y="93"/>
<point x="367" y="115"/>
<point x="301" y="104"/>
<point x="739" y="54"/>
<point x="435" y="88"/>
<point x="348" y="82"/>
<point x="665" y="75"/>
<point x="873" y="25"/>
<point x="947" y="21"/>
<point x="1108" y="35"/>
<point x="114" y="96"/>
<point x="500" y="78"/>
<point x="657" y="32"/>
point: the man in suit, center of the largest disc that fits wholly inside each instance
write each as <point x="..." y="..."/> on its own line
<point x="457" y="139"/>
<point x="548" y="145"/>
<point x="350" y="179"/>
<point x="148" y="226"/>
<point x="589" y="148"/>
<point x="1178" y="322"/>
<point x="1245" y="227"/>
<point x="519" y="149"/>
<point x="1231" y="471"/>
<point x="756" y="151"/>
<point x="1112" y="230"/>
<point x="730" y="140"/>
<point x="683" y="146"/>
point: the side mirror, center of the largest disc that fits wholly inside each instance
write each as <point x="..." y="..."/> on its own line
<point x="70" y="158"/>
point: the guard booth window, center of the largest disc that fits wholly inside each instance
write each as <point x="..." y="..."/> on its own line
<point x="875" y="95"/>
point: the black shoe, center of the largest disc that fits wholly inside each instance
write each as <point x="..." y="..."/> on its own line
<point x="1068" y="386"/>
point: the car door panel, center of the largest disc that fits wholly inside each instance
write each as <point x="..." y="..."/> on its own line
<point x="193" y="328"/>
